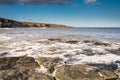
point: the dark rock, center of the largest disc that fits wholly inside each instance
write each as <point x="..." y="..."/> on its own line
<point x="72" y="42"/>
<point x="113" y="51"/>
<point x="119" y="49"/>
<point x="55" y="39"/>
<point x="68" y="55"/>
<point x="86" y="41"/>
<point x="101" y="43"/>
<point x="3" y="54"/>
<point x="88" y="52"/>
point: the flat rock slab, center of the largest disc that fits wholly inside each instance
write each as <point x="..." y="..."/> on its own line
<point x="83" y="72"/>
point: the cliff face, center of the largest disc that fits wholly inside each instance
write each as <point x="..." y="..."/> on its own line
<point x="12" y="24"/>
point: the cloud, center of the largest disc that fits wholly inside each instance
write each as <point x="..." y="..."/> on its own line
<point x="36" y="2"/>
<point x="91" y="1"/>
<point x="44" y="2"/>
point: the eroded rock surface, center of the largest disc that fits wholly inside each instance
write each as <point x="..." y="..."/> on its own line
<point x="84" y="72"/>
<point x="21" y="68"/>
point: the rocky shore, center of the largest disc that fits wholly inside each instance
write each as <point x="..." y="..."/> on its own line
<point x="8" y="23"/>
<point x="60" y="58"/>
<point x="29" y="68"/>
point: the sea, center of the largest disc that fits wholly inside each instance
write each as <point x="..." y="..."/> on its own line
<point x="40" y="42"/>
<point x="18" y="34"/>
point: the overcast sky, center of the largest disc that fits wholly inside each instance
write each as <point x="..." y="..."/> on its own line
<point x="78" y="13"/>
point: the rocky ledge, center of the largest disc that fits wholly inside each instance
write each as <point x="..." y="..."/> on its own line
<point x="29" y="68"/>
<point x="13" y="24"/>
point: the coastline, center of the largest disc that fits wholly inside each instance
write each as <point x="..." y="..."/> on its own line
<point x="8" y="23"/>
<point x="52" y="57"/>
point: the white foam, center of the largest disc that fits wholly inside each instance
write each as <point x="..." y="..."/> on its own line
<point x="107" y="58"/>
<point x="4" y="38"/>
<point x="42" y="69"/>
<point x="59" y="49"/>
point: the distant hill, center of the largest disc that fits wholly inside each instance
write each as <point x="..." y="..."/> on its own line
<point x="14" y="24"/>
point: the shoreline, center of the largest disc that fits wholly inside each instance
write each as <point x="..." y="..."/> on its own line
<point x="8" y="23"/>
<point x="50" y="57"/>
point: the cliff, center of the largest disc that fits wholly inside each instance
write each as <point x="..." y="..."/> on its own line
<point x="13" y="24"/>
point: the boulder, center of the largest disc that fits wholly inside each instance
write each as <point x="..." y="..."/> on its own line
<point x="20" y="63"/>
<point x="83" y="72"/>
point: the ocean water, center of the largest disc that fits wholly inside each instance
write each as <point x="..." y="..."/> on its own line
<point x="36" y="42"/>
<point x="18" y="34"/>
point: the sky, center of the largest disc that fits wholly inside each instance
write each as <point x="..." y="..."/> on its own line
<point x="77" y="13"/>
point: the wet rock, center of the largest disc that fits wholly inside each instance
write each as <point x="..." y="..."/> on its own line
<point x="3" y="54"/>
<point x="114" y="51"/>
<point x="72" y="42"/>
<point x="45" y="61"/>
<point x="83" y="72"/>
<point x="86" y="41"/>
<point x="118" y="64"/>
<point x="68" y="55"/>
<point x="89" y="52"/>
<point x="101" y="43"/>
<point x="55" y="39"/>
<point x="21" y="63"/>
<point x="96" y="42"/>
<point x="119" y="49"/>
<point x="24" y="75"/>
<point x="50" y="63"/>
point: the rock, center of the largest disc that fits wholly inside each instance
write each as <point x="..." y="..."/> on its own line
<point x="96" y="42"/>
<point x="118" y="64"/>
<point x="42" y="76"/>
<point x="119" y="49"/>
<point x="101" y="43"/>
<point x="3" y="54"/>
<point x="55" y="39"/>
<point x="88" y="52"/>
<point x="49" y="63"/>
<point x="46" y="61"/>
<point x="68" y="55"/>
<point x="21" y="68"/>
<point x="83" y="72"/>
<point x="72" y="41"/>
<point x="24" y="75"/>
<point x="86" y="41"/>
<point x="114" y="51"/>
<point x="21" y="63"/>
